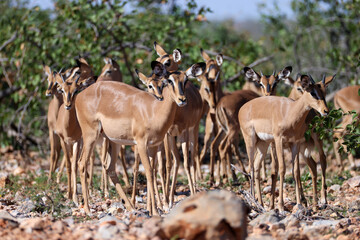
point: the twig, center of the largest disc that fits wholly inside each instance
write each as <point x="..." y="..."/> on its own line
<point x="10" y="40"/>
<point x="239" y="170"/>
<point x="252" y="202"/>
<point x="8" y="91"/>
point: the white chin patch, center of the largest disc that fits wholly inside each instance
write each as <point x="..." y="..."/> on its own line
<point x="265" y="136"/>
<point x="181" y="104"/>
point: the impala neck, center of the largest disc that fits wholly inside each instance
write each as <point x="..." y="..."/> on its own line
<point x="298" y="112"/>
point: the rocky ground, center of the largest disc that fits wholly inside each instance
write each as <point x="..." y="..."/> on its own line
<point x="30" y="208"/>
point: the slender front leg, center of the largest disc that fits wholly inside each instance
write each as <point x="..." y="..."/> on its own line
<point x="323" y="164"/>
<point x="142" y="148"/>
<point x="67" y="157"/>
<point x="61" y="169"/>
<point x="55" y="147"/>
<point x="185" y="149"/>
<point x="168" y="168"/>
<point x="176" y="156"/>
<point x="74" y="160"/>
<point x="161" y="171"/>
<point x="282" y="170"/>
<point x="209" y="132"/>
<point x="296" y="171"/>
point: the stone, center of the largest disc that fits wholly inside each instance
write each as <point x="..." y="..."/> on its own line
<point x="268" y="217"/>
<point x="27" y="207"/>
<point x="31" y="224"/>
<point x="207" y="215"/>
<point x="334" y="188"/>
<point x="7" y="220"/>
<point x="353" y="182"/>
<point x="59" y="226"/>
<point x="107" y="231"/>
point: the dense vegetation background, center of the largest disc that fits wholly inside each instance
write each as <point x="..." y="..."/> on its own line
<point x="321" y="37"/>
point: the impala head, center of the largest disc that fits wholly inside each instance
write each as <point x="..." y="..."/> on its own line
<point x="268" y="82"/>
<point x="87" y="76"/>
<point x="314" y="94"/>
<point x="210" y="78"/>
<point x="298" y="91"/>
<point x="155" y="81"/>
<point x="51" y="81"/>
<point x="170" y="61"/>
<point x="68" y="88"/>
<point x="111" y="70"/>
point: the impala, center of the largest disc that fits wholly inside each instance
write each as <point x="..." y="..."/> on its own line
<point x="129" y="116"/>
<point x="52" y="114"/>
<point x="347" y="99"/>
<point x="282" y="121"/>
<point x="227" y="111"/>
<point x="211" y="92"/>
<point x="309" y="146"/>
<point x="111" y="72"/>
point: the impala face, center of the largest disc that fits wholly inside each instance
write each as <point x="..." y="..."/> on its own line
<point x="314" y="94"/>
<point x="177" y="81"/>
<point x="51" y="81"/>
<point x="210" y="78"/>
<point x="111" y="70"/>
<point x="155" y="81"/>
<point x="170" y="61"/>
<point x="267" y="82"/>
<point x="68" y="88"/>
<point x="322" y="85"/>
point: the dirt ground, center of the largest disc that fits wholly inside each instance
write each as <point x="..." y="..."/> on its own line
<point x="30" y="208"/>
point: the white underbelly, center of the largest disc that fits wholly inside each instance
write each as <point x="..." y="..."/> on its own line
<point x="265" y="136"/>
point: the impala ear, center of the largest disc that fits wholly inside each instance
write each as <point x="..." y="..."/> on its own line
<point x="305" y="82"/>
<point x="107" y="60"/>
<point x="141" y="76"/>
<point x="204" y="55"/>
<point x="159" y="50"/>
<point x="219" y="59"/>
<point x="47" y="70"/>
<point x="327" y="80"/>
<point x="285" y="73"/>
<point x="251" y="74"/>
<point x="158" y="68"/>
<point x="177" y="55"/>
<point x="196" y="70"/>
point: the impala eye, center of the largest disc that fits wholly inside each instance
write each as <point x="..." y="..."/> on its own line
<point x="151" y="87"/>
<point x="171" y="82"/>
<point x="167" y="64"/>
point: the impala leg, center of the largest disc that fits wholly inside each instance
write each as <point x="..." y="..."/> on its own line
<point x="296" y="171"/>
<point x="238" y="158"/>
<point x="162" y="171"/>
<point x="89" y="142"/>
<point x="312" y="166"/>
<point x="274" y="174"/>
<point x="55" y="147"/>
<point x="142" y="148"/>
<point x="209" y="131"/>
<point x="301" y="190"/>
<point x="282" y="170"/>
<point x="91" y="169"/>
<point x="213" y="148"/>
<point x="168" y="167"/>
<point x="336" y="146"/>
<point x="233" y="144"/>
<point x="194" y="161"/>
<point x="61" y="169"/>
<point x="185" y="149"/>
<point x="104" y="176"/>
<point x="250" y="149"/>
<point x="323" y="164"/>
<point x="67" y="156"/>
<point x="111" y="171"/>
<point x="195" y="147"/>
<point x="176" y="156"/>
<point x="154" y="163"/>
<point x="223" y="149"/>
<point x="263" y="170"/>
<point x="123" y="164"/>
<point x="74" y="160"/>
<point x="135" y="174"/>
<point x="261" y="149"/>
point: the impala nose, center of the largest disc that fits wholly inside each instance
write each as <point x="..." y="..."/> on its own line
<point x="68" y="107"/>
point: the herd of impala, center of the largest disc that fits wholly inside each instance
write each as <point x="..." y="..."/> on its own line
<point x="88" y="110"/>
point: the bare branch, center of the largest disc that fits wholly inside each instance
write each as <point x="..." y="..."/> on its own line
<point x="10" y="40"/>
<point x="8" y="91"/>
